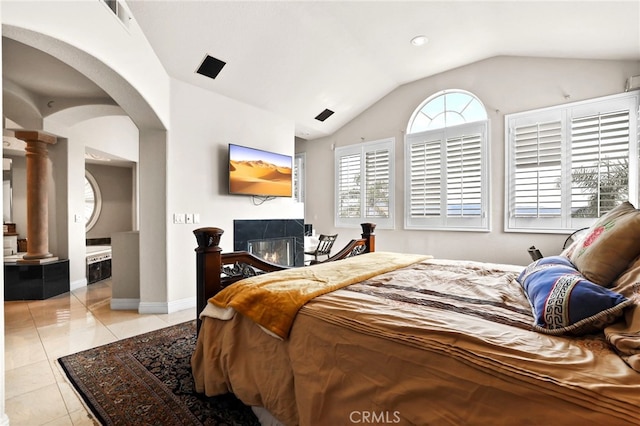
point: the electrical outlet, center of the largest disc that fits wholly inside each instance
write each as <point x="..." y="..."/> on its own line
<point x="189" y="218"/>
<point x="178" y="218"/>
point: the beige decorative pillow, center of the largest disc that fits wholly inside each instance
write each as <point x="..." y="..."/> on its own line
<point x="609" y="246"/>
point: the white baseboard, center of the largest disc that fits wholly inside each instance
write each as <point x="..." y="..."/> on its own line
<point x="153" y="308"/>
<point x="166" y="307"/>
<point x="125" y="304"/>
<point x="73" y="285"/>
<point x="181" y="305"/>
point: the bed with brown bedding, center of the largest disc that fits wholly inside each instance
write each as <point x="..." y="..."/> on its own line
<point x="387" y="338"/>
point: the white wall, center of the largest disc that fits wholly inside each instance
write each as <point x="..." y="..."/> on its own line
<point x="86" y="35"/>
<point x="115" y="186"/>
<point x="505" y="85"/>
<point x="202" y="126"/>
<point x="115" y="135"/>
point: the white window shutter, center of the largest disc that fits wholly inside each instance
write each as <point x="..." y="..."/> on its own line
<point x="349" y="191"/>
<point x="599" y="163"/>
<point x="538" y="170"/>
<point x="377" y="169"/>
<point x="464" y="176"/>
<point x="425" y="183"/>
<point x="447" y="182"/>
<point x="364" y="184"/>
<point x="570" y="164"/>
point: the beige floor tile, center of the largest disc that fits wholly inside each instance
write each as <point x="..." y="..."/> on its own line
<point x="17" y="315"/>
<point x="94" y="293"/>
<point x="37" y="407"/>
<point x="62" y="421"/>
<point x="69" y="327"/>
<point x="45" y="314"/>
<point x="37" y="333"/>
<point x="71" y="398"/>
<point x="133" y="327"/>
<point x="57" y="346"/>
<point x="108" y="317"/>
<point x="82" y="418"/>
<point x="28" y="378"/>
<point x="179" y="317"/>
<point x="20" y="353"/>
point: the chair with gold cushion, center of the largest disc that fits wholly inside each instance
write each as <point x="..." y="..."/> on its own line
<point x="325" y="243"/>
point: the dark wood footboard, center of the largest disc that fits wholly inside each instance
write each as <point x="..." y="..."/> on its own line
<point x="216" y="270"/>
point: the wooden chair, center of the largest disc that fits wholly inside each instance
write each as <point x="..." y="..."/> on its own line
<point x="325" y="243"/>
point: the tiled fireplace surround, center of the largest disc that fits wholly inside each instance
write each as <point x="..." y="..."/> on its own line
<point x="258" y="233"/>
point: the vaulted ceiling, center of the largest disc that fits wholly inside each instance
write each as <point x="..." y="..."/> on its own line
<point x="297" y="59"/>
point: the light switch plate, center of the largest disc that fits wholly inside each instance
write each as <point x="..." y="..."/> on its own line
<point x="178" y="218"/>
<point x="189" y="218"/>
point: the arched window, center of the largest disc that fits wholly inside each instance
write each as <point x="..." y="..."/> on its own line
<point x="446" y="164"/>
<point x="446" y="109"/>
<point x="92" y="200"/>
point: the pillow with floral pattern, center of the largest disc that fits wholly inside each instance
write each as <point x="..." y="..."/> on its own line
<point x="609" y="246"/>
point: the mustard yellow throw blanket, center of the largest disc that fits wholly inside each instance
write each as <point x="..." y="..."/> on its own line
<point x="272" y="300"/>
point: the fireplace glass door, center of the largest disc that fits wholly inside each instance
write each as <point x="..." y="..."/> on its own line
<point x="275" y="250"/>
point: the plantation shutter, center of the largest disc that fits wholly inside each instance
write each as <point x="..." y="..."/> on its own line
<point x="446" y="178"/>
<point x="377" y="166"/>
<point x="570" y="164"/>
<point x="599" y="163"/>
<point x="425" y="182"/>
<point x="364" y="183"/>
<point x="464" y="176"/>
<point x="538" y="170"/>
<point x="349" y="198"/>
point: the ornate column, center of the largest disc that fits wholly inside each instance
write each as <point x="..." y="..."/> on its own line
<point x="37" y="195"/>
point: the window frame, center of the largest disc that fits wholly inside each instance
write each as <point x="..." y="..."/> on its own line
<point x="360" y="150"/>
<point x="565" y="114"/>
<point x="443" y="222"/>
<point x="299" y="181"/>
<point x="95" y="201"/>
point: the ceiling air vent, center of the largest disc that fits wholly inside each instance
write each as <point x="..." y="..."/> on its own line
<point x="324" y="115"/>
<point x="211" y="67"/>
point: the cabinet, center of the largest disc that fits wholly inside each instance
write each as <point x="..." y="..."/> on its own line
<point x="35" y="281"/>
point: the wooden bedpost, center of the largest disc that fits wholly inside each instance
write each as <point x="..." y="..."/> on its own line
<point x="208" y="265"/>
<point x="368" y="233"/>
<point x="216" y="270"/>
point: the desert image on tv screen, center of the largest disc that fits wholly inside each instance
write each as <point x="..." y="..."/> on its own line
<point x="256" y="172"/>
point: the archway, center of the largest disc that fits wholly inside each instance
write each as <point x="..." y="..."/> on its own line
<point x="153" y="142"/>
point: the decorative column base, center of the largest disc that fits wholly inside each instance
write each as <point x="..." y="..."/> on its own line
<point x="37" y="260"/>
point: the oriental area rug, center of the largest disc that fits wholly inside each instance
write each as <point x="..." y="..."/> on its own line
<point x="146" y="380"/>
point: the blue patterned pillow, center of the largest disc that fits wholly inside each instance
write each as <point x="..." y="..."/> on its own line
<point x="565" y="302"/>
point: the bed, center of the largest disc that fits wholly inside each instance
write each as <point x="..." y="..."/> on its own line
<point x="409" y="339"/>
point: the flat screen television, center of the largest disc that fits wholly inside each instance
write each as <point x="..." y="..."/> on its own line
<point x="260" y="173"/>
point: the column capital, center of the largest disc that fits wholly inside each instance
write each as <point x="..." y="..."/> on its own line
<point x="35" y="136"/>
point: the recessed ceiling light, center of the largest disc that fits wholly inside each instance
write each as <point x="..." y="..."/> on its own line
<point x="419" y="40"/>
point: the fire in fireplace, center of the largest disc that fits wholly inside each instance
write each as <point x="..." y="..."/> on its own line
<point x="274" y="250"/>
<point x="274" y="232"/>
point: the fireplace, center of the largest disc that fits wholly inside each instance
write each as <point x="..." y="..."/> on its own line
<point x="278" y="241"/>
<point x="274" y="250"/>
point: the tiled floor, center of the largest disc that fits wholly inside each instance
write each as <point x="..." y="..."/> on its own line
<point x="39" y="332"/>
